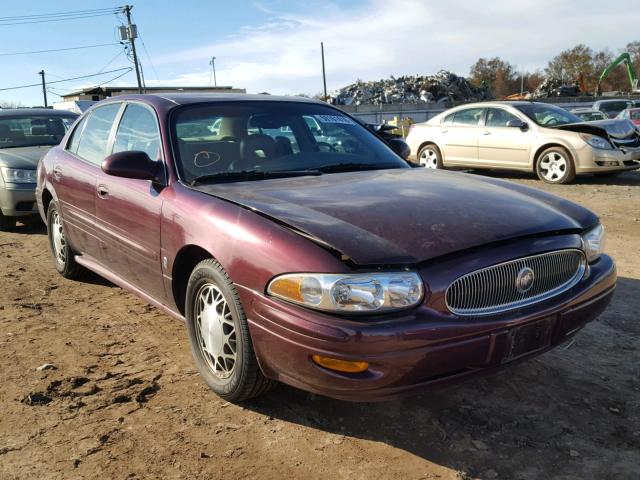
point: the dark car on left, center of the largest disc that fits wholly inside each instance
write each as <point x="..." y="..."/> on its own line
<point x="26" y="134"/>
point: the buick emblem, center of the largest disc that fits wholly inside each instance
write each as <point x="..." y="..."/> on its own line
<point x="525" y="279"/>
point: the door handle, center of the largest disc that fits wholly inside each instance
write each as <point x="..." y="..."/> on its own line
<point x="486" y="133"/>
<point x="444" y="131"/>
<point x="103" y="191"/>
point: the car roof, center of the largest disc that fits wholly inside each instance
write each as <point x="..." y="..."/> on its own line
<point x="31" y="112"/>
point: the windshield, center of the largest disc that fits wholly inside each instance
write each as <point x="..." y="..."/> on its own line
<point x="548" y="115"/>
<point x="591" y="116"/>
<point x="31" y="131"/>
<point x="217" y="140"/>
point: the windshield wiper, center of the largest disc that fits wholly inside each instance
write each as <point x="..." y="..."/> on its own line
<point x="353" y="166"/>
<point x="252" y="175"/>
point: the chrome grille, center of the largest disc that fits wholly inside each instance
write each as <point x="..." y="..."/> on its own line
<point x="495" y="289"/>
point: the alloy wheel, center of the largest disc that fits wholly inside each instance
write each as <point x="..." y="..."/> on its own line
<point x="553" y="166"/>
<point x="428" y="158"/>
<point x="216" y="331"/>
<point x="59" y="241"/>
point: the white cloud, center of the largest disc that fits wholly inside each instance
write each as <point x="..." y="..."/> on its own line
<point x="382" y="38"/>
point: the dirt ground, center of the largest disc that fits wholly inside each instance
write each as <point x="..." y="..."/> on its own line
<point x="125" y="402"/>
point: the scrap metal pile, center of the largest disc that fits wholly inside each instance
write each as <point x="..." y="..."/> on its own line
<point x="553" y="87"/>
<point x="442" y="87"/>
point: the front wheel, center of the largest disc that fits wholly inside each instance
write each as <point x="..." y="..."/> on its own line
<point x="429" y="157"/>
<point x="219" y="335"/>
<point x="63" y="255"/>
<point x="555" y="165"/>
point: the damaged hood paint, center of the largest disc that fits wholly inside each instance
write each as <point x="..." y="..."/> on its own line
<point x="613" y="128"/>
<point x="405" y="216"/>
<point x="22" y="157"/>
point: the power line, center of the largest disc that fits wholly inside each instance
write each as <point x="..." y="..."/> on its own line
<point x="57" y="14"/>
<point x="56" y="20"/>
<point x="56" y="17"/>
<point x="128" y="69"/>
<point x="57" y="49"/>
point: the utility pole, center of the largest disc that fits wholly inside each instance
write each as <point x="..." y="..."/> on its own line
<point x="324" y="75"/>
<point x="44" y="88"/>
<point x="213" y="67"/>
<point x="132" y="33"/>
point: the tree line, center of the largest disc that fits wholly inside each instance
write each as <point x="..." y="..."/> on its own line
<point x="580" y="63"/>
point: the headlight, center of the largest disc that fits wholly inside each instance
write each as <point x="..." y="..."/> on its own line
<point x="18" y="175"/>
<point x="594" y="243"/>
<point x="361" y="292"/>
<point x="596" y="142"/>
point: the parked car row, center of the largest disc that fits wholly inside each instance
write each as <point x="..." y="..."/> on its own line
<point x="25" y="136"/>
<point x="526" y="136"/>
<point x="300" y="247"/>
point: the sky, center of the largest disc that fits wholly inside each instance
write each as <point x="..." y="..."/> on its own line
<point x="274" y="45"/>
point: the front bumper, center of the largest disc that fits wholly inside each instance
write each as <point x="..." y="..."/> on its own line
<point x="598" y="161"/>
<point x="419" y="349"/>
<point x="17" y="200"/>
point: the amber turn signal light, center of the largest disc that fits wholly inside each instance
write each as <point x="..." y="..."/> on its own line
<point x="340" y="365"/>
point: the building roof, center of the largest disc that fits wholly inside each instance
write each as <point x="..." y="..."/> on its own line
<point x="31" y="112"/>
<point x="105" y="90"/>
<point x="185" y="98"/>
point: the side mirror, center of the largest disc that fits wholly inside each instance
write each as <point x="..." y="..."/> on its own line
<point x="399" y="146"/>
<point x="524" y="126"/>
<point x="133" y="164"/>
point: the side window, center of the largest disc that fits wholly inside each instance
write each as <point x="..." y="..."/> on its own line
<point x="138" y="130"/>
<point x="94" y="139"/>
<point x="469" y="116"/>
<point x="73" y="143"/>
<point x="448" y="119"/>
<point x="497" y="117"/>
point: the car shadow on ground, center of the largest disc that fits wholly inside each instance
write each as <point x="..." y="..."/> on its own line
<point x="569" y="403"/>
<point x="628" y="178"/>
<point x="30" y="226"/>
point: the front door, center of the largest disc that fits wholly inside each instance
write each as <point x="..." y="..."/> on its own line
<point x="128" y="211"/>
<point x="500" y="145"/>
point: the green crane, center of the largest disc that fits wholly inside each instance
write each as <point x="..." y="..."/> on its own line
<point x="633" y="79"/>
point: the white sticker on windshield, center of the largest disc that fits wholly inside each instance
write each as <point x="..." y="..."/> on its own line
<point x="334" y="119"/>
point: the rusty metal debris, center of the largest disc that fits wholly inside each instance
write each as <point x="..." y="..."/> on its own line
<point x="442" y="87"/>
<point x="553" y="87"/>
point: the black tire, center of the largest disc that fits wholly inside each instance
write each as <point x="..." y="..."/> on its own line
<point x="65" y="263"/>
<point x="432" y="157"/>
<point x="565" y="173"/>
<point x="244" y="379"/>
<point x="7" y="223"/>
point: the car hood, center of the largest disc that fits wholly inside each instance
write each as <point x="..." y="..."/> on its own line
<point x="405" y="216"/>
<point x="615" y="128"/>
<point x="22" y="157"/>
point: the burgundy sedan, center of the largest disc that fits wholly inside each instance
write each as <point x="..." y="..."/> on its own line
<point x="299" y="247"/>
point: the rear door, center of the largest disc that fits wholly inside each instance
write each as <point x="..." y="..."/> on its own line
<point x="460" y="137"/>
<point x="500" y="145"/>
<point x="128" y="210"/>
<point x="74" y="177"/>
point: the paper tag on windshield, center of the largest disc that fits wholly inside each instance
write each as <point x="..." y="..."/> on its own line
<point x="335" y="119"/>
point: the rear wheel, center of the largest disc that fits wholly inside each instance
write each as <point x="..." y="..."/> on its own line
<point x="555" y="165"/>
<point x="219" y="335"/>
<point x="6" y="223"/>
<point x="429" y="157"/>
<point x="63" y="255"/>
